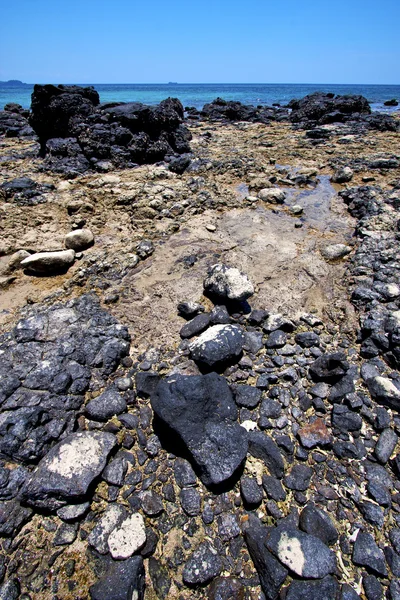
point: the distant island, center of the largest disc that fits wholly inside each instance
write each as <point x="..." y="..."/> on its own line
<point x="12" y="83"/>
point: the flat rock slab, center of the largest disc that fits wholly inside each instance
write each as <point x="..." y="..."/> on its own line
<point x="304" y="554"/>
<point x="66" y="472"/>
<point x="201" y="410"/>
<point x="218" y="344"/>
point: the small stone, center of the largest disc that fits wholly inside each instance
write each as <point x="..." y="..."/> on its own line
<point x="108" y="521"/>
<point x="151" y="503"/>
<point x="68" y="470"/>
<point x="367" y="554"/>
<point x="190" y="501"/>
<point x="203" y="565"/>
<point x="273" y="488"/>
<point x="298" y="478"/>
<point x="184" y="474"/>
<point x="251" y="492"/>
<point x="314" y="434"/>
<point x="105" y="406"/>
<point x="385" y="445"/>
<point x="247" y="395"/>
<point x="372" y="587"/>
<point x="276" y="339"/>
<point x="123" y="580"/>
<point x="66" y="534"/>
<point x="226" y="588"/>
<point x="263" y="447"/>
<point x="128" y="537"/>
<point x="384" y="391"/>
<point x="228" y="527"/>
<point x="189" y="310"/>
<point x="210" y="227"/>
<point x="316" y="522"/>
<point x="71" y="512"/>
<point x="343" y="175"/>
<point x="79" y="239"/>
<point x="296" y="209"/>
<point x="195" y="326"/>
<point x="324" y="589"/>
<point x="307" y="339"/>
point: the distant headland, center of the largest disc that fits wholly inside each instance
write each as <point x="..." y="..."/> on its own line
<point x="12" y="82"/>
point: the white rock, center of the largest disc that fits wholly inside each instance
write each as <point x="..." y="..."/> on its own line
<point x="335" y="251"/>
<point x="49" y="262"/>
<point x="228" y="282"/>
<point x="274" y="195"/>
<point x="128" y="537"/>
<point x="79" y="239"/>
<point x="296" y="209"/>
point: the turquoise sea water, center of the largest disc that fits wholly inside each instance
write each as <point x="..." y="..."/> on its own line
<point x="194" y="94"/>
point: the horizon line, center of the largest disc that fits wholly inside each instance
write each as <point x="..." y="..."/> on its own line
<point x="196" y="83"/>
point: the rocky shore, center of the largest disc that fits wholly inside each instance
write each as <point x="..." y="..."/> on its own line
<point x="200" y="350"/>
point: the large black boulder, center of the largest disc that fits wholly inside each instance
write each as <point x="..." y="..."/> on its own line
<point x="200" y="409"/>
<point x="320" y="108"/>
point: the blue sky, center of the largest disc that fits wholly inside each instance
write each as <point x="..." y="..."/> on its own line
<point x="127" y="41"/>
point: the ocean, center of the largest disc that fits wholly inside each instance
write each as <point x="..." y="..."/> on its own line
<point x="198" y="94"/>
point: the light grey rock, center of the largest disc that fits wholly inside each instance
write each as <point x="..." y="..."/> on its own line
<point x="67" y="471"/>
<point x="273" y="195"/>
<point x="79" y="239"/>
<point x="383" y="390"/>
<point x="335" y="251"/>
<point x="228" y="283"/>
<point x="343" y="175"/>
<point x="71" y="512"/>
<point x="48" y="262"/>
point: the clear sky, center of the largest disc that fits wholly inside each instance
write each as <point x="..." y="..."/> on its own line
<point x="220" y="41"/>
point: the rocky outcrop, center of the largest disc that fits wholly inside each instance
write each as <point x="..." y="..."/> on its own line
<point x="320" y="108"/>
<point x="229" y="110"/>
<point x="76" y="133"/>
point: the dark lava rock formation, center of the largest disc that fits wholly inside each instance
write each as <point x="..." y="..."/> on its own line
<point x="76" y="133"/>
<point x="320" y="108"/>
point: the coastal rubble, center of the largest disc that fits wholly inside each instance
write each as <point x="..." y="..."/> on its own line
<point x="131" y="466"/>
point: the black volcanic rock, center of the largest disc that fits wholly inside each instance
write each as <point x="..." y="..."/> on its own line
<point x="122" y="133"/>
<point x="200" y="409"/>
<point x="320" y="108"/>
<point x="220" y="109"/>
